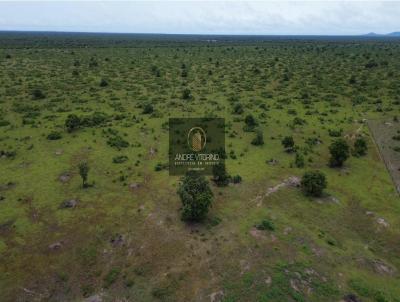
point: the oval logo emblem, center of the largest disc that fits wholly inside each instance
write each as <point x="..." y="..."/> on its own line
<point x="196" y="139"/>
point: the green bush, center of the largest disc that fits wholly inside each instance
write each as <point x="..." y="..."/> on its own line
<point x="339" y="150"/>
<point x="360" y="147"/>
<point x="238" y="108"/>
<point x="297" y="121"/>
<point x="8" y="154"/>
<point x="299" y="160"/>
<point x="4" y="123"/>
<point x="94" y="120"/>
<point x="288" y="143"/>
<point x="160" y="167"/>
<point x="72" y="122"/>
<point x="147" y="109"/>
<point x="103" y="83"/>
<point x="250" y="122"/>
<point x="220" y="176"/>
<point x="83" y="172"/>
<point x="313" y="183"/>
<point x="120" y="159"/>
<point x="266" y="225"/>
<point x="259" y="139"/>
<point x="54" y="135"/>
<point x="38" y="94"/>
<point x="196" y="197"/>
<point x="118" y="142"/>
<point x="335" y="132"/>
<point x="186" y="94"/>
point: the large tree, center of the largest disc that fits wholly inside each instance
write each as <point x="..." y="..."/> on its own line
<point x="196" y="197"/>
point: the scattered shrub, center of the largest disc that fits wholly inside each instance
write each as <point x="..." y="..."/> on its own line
<point x="83" y="172"/>
<point x="297" y="121"/>
<point x="313" y="183"/>
<point x="265" y="225"/>
<point x="335" y="133"/>
<point x="103" y="83"/>
<point x="54" y="135"/>
<point x="259" y="139"/>
<point x="288" y="143"/>
<point x="184" y="73"/>
<point x="8" y="154"/>
<point x="38" y="94"/>
<point x="360" y="147"/>
<point x="4" y="123"/>
<point x="238" y="108"/>
<point x="160" y="167"/>
<point x="371" y="64"/>
<point x="96" y="119"/>
<point x="118" y="142"/>
<point x="220" y="176"/>
<point x="186" y="94"/>
<point x="120" y="159"/>
<point x="250" y="122"/>
<point x="147" y="109"/>
<point x="299" y="160"/>
<point x="72" y="122"/>
<point x="339" y="150"/>
<point x="396" y="137"/>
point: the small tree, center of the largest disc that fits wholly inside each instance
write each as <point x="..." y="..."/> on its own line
<point x="83" y="172"/>
<point x="72" y="122"/>
<point x="250" y="122"/>
<point x="360" y="147"/>
<point x="238" y="108"/>
<point x="313" y="183"/>
<point x="259" y="139"/>
<point x="299" y="160"/>
<point x="54" y="135"/>
<point x="103" y="83"/>
<point x="220" y="176"/>
<point x="288" y="143"/>
<point x="196" y="197"/>
<point x="186" y="94"/>
<point x="148" y="108"/>
<point x="339" y="150"/>
<point x="38" y="94"/>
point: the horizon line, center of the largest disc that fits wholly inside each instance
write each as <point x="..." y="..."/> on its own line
<point x="195" y="34"/>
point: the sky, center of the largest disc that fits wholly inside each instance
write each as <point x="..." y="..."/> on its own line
<point x="204" y="17"/>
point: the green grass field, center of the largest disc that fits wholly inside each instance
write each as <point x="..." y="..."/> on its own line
<point x="124" y="240"/>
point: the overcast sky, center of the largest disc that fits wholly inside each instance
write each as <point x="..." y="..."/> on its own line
<point x="203" y="17"/>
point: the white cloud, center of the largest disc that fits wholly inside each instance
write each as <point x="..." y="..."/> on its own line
<point x="229" y="17"/>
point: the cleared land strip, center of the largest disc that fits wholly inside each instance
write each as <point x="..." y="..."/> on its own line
<point x="384" y="133"/>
